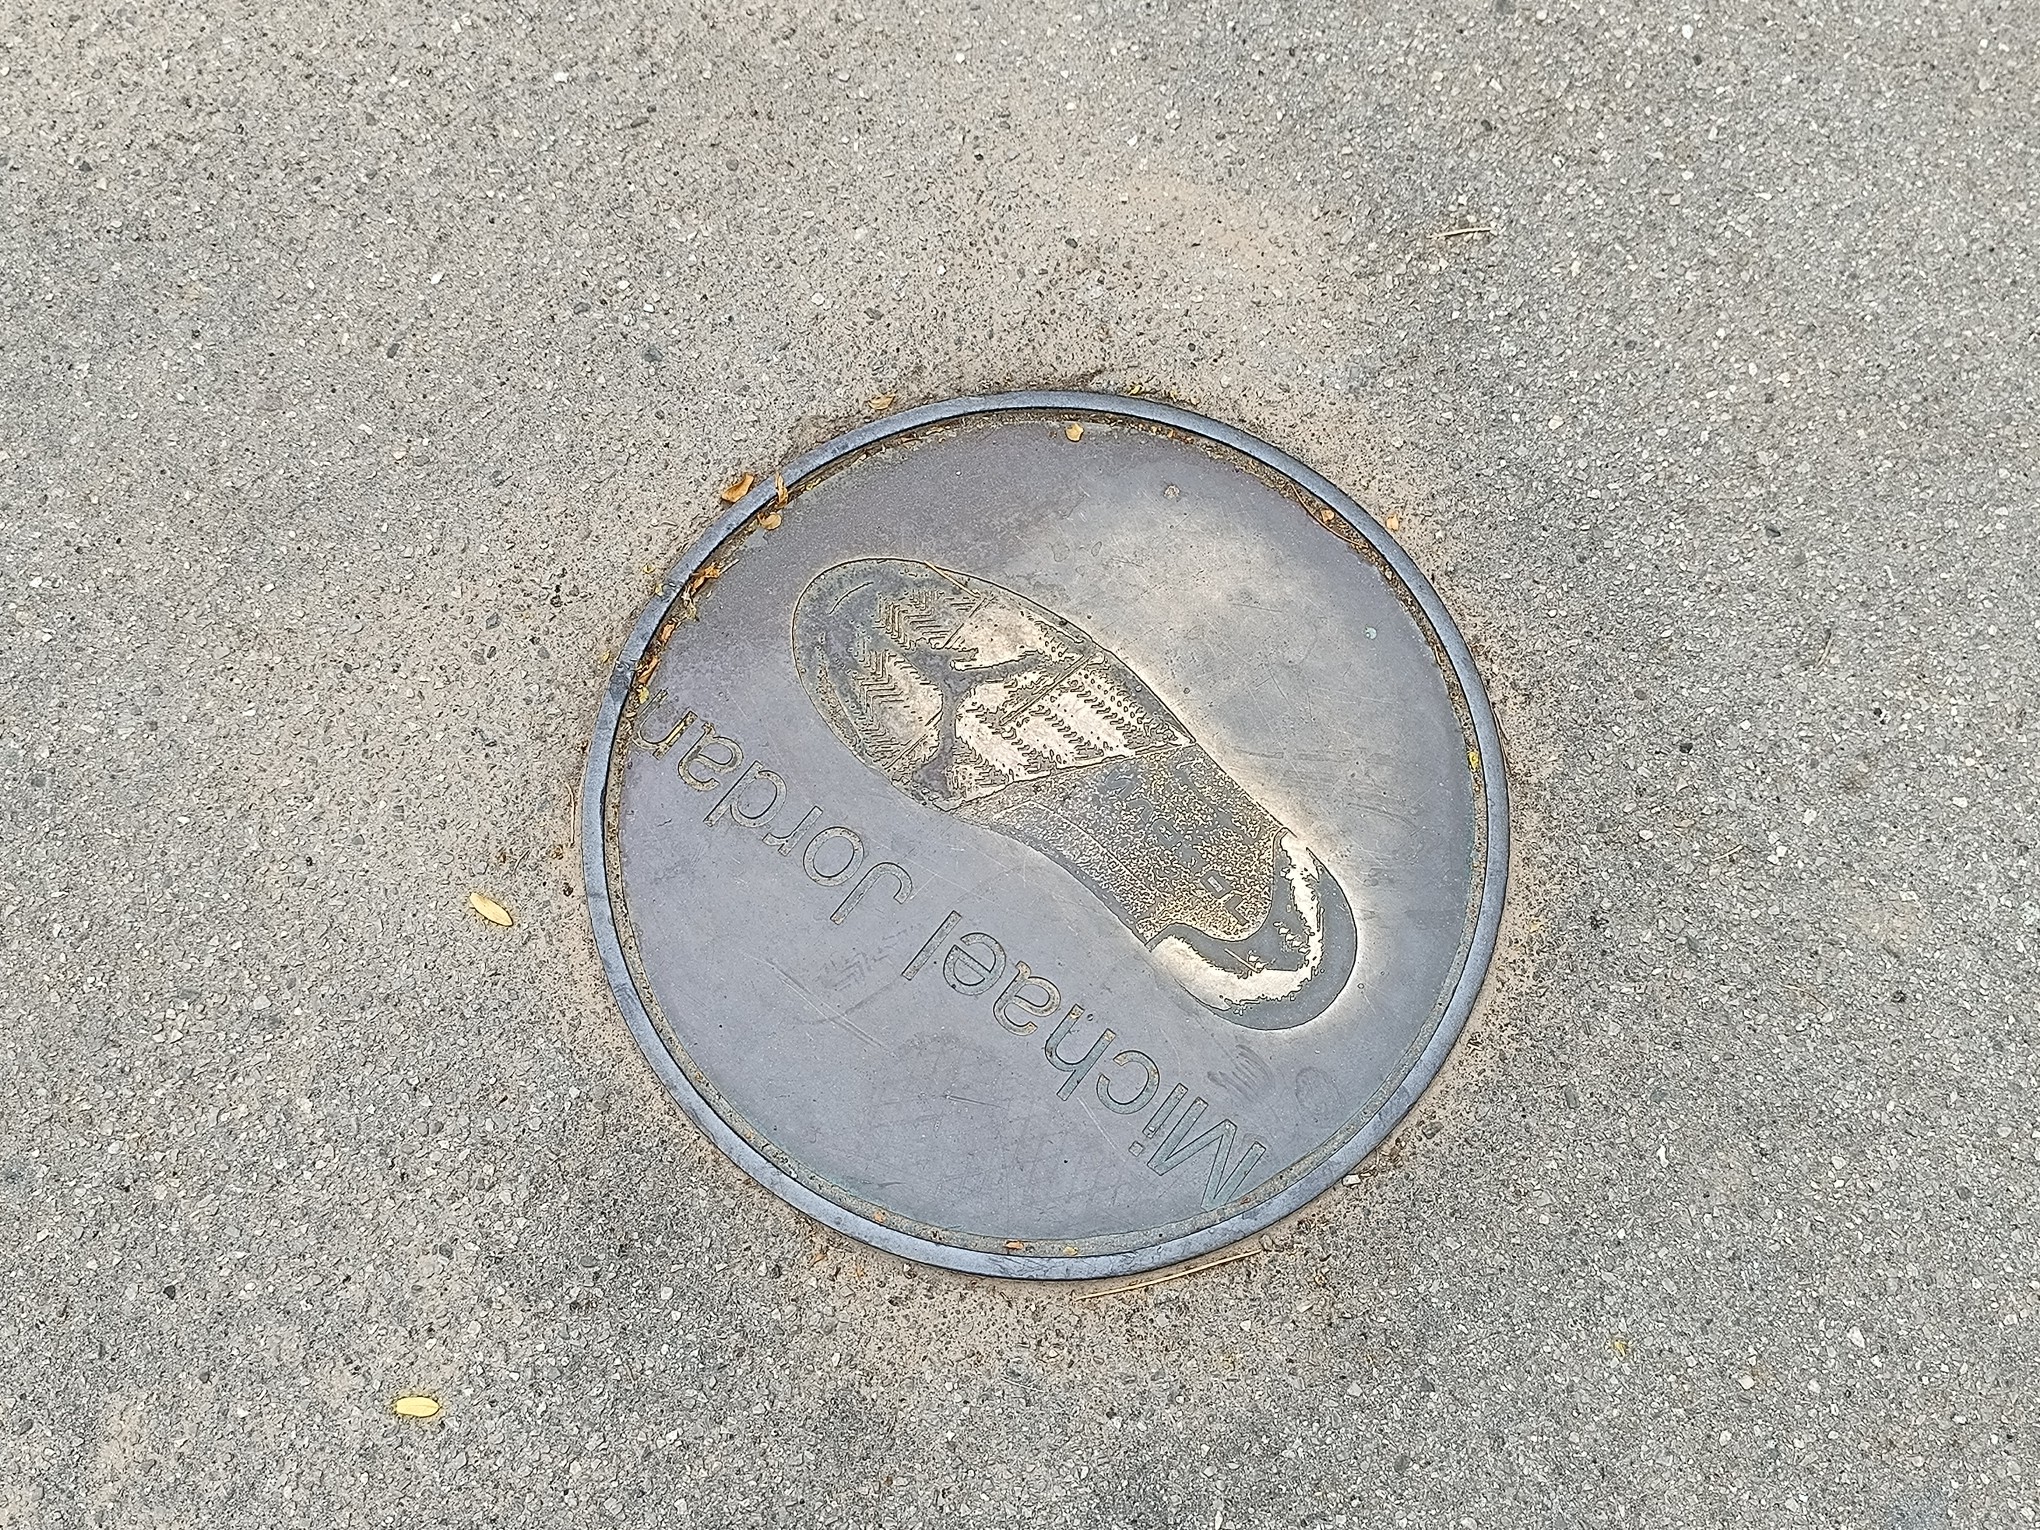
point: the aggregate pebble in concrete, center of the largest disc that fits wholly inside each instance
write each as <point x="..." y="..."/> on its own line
<point x="359" y="369"/>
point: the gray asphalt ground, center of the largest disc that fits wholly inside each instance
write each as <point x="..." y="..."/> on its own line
<point x="359" y="368"/>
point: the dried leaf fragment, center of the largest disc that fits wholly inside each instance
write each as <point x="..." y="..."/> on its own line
<point x="415" y="1405"/>
<point x="732" y="492"/>
<point x="769" y="521"/>
<point x="779" y="498"/>
<point x="880" y="404"/>
<point x="495" y="913"/>
<point x="1395" y="523"/>
<point x="1075" y="433"/>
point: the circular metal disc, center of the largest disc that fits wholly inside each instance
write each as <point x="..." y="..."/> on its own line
<point x="1053" y="835"/>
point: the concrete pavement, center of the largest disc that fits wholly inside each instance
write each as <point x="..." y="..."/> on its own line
<point x="360" y="368"/>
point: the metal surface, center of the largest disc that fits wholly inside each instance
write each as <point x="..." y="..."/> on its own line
<point x="1046" y="851"/>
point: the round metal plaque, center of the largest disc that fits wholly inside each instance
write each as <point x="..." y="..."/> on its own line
<point x="1048" y="834"/>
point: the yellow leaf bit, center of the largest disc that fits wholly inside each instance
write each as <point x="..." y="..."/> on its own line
<point x="732" y="492"/>
<point x="1075" y="433"/>
<point x="416" y="1405"/>
<point x="495" y="913"/>
<point x="643" y="679"/>
<point x="769" y="518"/>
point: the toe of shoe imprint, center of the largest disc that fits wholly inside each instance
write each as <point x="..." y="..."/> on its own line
<point x="976" y="701"/>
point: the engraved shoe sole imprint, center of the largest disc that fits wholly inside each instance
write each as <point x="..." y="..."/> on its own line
<point x="974" y="700"/>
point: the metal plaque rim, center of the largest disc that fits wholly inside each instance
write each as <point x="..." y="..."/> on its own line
<point x="1478" y="954"/>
